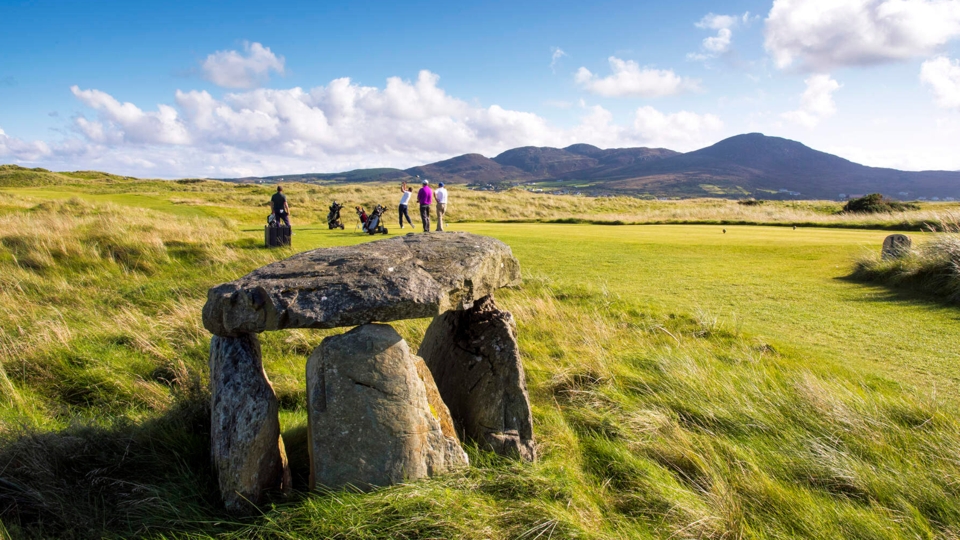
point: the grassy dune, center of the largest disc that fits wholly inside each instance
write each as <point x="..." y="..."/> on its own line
<point x="686" y="383"/>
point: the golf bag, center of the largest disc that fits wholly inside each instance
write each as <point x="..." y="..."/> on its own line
<point x="333" y="218"/>
<point x="374" y="223"/>
<point x="275" y="234"/>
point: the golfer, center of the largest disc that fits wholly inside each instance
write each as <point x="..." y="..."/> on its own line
<point x="441" y="196"/>
<point x="425" y="198"/>
<point x="281" y="210"/>
<point x="404" y="201"/>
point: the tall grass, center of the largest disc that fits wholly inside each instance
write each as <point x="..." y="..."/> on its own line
<point x="98" y="304"/>
<point x="933" y="267"/>
<point x="651" y="423"/>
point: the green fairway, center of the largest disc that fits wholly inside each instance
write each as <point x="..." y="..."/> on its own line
<point x="780" y="284"/>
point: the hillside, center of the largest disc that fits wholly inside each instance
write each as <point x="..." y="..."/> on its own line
<point x="744" y="165"/>
<point x="762" y="166"/>
<point x="470" y="169"/>
<point x="356" y="175"/>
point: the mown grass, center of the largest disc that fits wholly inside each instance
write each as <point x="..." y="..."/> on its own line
<point x="686" y="383"/>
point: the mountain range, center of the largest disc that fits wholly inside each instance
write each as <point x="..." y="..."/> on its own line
<point x="744" y="165"/>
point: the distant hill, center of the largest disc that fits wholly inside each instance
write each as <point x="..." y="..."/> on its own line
<point x="756" y="164"/>
<point x="470" y="169"/>
<point x="545" y="162"/>
<point x="357" y="175"/>
<point x="744" y="165"/>
<point x="17" y="176"/>
<point x="531" y="163"/>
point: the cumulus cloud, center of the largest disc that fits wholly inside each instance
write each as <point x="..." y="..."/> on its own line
<point x="816" y="102"/>
<point x="232" y="69"/>
<point x="714" y="46"/>
<point x="942" y="76"/>
<point x="629" y="79"/>
<point x="126" y="121"/>
<point x="818" y="35"/>
<point x="22" y="150"/>
<point x="682" y="129"/>
<point x="555" y="56"/>
<point x="339" y="126"/>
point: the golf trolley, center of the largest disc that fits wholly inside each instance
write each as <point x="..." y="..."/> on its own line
<point x="373" y="223"/>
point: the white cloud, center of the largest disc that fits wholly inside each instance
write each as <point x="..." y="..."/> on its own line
<point x="555" y="56"/>
<point x="22" y="150"/>
<point x="942" y="75"/>
<point x="340" y="126"/>
<point x="720" y="43"/>
<point x="628" y="79"/>
<point x="816" y="102"/>
<point x="714" y="46"/>
<point x="682" y="130"/>
<point x="823" y="34"/>
<point x="129" y="122"/>
<point x="231" y="69"/>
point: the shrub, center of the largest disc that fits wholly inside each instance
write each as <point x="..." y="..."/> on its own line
<point x="751" y="202"/>
<point x="876" y="203"/>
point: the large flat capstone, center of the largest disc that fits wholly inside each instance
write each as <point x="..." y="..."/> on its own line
<point x="408" y="277"/>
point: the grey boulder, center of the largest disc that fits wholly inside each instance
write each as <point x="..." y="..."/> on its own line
<point x="896" y="246"/>
<point x="475" y="361"/>
<point x="371" y="422"/>
<point x="409" y="277"/>
<point x="245" y="443"/>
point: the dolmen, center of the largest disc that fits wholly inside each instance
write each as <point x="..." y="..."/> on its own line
<point x="378" y="414"/>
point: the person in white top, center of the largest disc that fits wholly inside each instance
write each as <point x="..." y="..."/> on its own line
<point x="441" y="196"/>
<point x="404" y="201"/>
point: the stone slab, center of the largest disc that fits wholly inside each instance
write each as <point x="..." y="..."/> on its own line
<point x="408" y="277"/>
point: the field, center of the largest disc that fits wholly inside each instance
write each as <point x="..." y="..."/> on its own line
<point x="686" y="382"/>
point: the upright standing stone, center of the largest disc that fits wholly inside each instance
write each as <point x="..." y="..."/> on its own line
<point x="475" y="361"/>
<point x="370" y="420"/>
<point x="896" y="246"/>
<point x="245" y="442"/>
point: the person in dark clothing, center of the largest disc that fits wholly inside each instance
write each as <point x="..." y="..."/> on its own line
<point x="281" y="210"/>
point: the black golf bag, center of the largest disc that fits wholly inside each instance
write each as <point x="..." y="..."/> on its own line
<point x="275" y="234"/>
<point x="374" y="223"/>
<point x="333" y="218"/>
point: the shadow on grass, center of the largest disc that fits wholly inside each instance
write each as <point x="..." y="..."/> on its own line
<point x="132" y="479"/>
<point x="246" y="243"/>
<point x="904" y="293"/>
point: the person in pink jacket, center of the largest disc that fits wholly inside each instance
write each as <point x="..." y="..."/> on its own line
<point x="425" y="198"/>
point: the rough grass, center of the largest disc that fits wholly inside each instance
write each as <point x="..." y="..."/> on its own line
<point x="933" y="268"/>
<point x="653" y="421"/>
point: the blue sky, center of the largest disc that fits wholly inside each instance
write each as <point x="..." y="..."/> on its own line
<point x="171" y="89"/>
